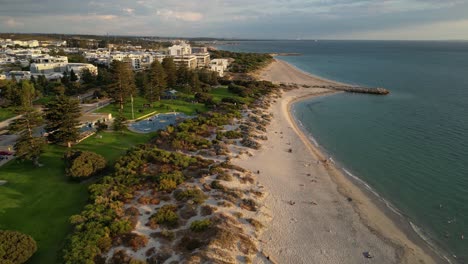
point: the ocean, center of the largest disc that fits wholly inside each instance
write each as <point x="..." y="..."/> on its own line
<point x="410" y="147"/>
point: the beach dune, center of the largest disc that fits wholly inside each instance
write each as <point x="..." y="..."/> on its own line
<point x="318" y="214"/>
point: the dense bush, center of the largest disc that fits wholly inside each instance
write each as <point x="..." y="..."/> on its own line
<point x="104" y="217"/>
<point x="83" y="164"/>
<point x="15" y="247"/>
<point x="243" y="62"/>
<point x="166" y="216"/>
<point x="196" y="195"/>
<point x="200" y="225"/>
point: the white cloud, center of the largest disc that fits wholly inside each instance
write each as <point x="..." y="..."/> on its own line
<point x="176" y="15"/>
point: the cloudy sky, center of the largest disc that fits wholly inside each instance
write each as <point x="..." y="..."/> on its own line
<point x="279" y="19"/>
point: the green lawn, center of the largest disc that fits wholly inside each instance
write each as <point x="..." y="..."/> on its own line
<point x="223" y="92"/>
<point x="6" y="113"/>
<point x="39" y="201"/>
<point x="165" y="106"/>
<point x="162" y="106"/>
<point x="43" y="100"/>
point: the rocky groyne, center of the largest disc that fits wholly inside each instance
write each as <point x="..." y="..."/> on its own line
<point x="354" y="89"/>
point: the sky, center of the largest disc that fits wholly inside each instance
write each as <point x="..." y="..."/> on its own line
<point x="257" y="19"/>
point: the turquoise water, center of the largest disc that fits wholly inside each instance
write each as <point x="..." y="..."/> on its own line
<point x="411" y="146"/>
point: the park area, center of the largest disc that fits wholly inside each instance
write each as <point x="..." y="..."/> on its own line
<point x="40" y="201"/>
<point x="183" y="104"/>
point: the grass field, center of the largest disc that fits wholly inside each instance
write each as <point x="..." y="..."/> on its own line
<point x="39" y="201"/>
<point x="165" y="106"/>
<point x="162" y="106"/>
<point x="6" y="113"/>
<point x="223" y="92"/>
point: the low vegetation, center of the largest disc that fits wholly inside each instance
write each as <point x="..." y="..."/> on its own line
<point x="83" y="164"/>
<point x="243" y="62"/>
<point x="15" y="247"/>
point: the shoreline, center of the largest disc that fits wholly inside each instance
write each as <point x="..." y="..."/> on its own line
<point x="392" y="230"/>
<point x="346" y="185"/>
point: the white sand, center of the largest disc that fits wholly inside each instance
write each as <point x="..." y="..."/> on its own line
<point x="321" y="226"/>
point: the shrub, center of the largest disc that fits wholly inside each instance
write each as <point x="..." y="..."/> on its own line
<point x="200" y="225"/>
<point x="15" y="247"/>
<point x="217" y="185"/>
<point x="232" y="134"/>
<point x="255" y="223"/>
<point x="190" y="243"/>
<point x="135" y="241"/>
<point x="196" y="195"/>
<point x="166" y="216"/>
<point x="249" y="204"/>
<point x="83" y="164"/>
<point x="167" y="185"/>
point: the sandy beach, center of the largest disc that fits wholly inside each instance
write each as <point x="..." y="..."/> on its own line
<point x="318" y="214"/>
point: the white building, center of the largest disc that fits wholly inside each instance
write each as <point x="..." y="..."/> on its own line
<point x="79" y="67"/>
<point x="219" y="66"/>
<point x="50" y="59"/>
<point x="203" y="60"/>
<point x="49" y="64"/>
<point x="180" y="49"/>
<point x="47" y="68"/>
<point x="19" y="75"/>
<point x="189" y="61"/>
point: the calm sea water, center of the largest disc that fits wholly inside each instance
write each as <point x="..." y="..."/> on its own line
<point x="411" y="147"/>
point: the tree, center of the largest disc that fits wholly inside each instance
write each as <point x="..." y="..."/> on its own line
<point x="123" y="82"/>
<point x="119" y="122"/>
<point x="157" y="81"/>
<point x="73" y="76"/>
<point x="214" y="78"/>
<point x="62" y="123"/>
<point x="87" y="77"/>
<point x="83" y="164"/>
<point x="27" y="94"/>
<point x="65" y="79"/>
<point x="28" y="147"/>
<point x="183" y="75"/>
<point x="171" y="71"/>
<point x="15" y="247"/>
<point x="194" y="82"/>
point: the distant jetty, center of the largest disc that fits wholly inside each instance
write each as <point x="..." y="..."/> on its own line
<point x="354" y="89"/>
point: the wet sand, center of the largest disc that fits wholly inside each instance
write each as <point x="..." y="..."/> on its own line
<point x="318" y="214"/>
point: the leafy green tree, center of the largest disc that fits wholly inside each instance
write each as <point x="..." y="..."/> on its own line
<point x="171" y="71"/>
<point x="157" y="81"/>
<point x="65" y="80"/>
<point x="73" y="76"/>
<point x="104" y="77"/>
<point x="15" y="247"/>
<point x="142" y="82"/>
<point x="83" y="164"/>
<point x="27" y="94"/>
<point x="123" y="82"/>
<point x="194" y="82"/>
<point x="9" y="93"/>
<point x="119" y="122"/>
<point x="87" y="77"/>
<point x="183" y="75"/>
<point x="62" y="122"/>
<point x="28" y="147"/>
<point x="214" y="78"/>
